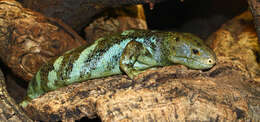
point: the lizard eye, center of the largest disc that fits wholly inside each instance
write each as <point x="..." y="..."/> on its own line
<point x="195" y="51"/>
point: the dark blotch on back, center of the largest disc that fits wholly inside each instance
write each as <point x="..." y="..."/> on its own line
<point x="197" y="42"/>
<point x="177" y="39"/>
<point x="173" y="48"/>
<point x="67" y="62"/>
<point x="68" y="69"/>
<point x="44" y="72"/>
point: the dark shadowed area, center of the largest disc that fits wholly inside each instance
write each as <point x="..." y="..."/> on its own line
<point x="201" y="17"/>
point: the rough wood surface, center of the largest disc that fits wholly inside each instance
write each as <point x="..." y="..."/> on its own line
<point x="237" y="39"/>
<point x="227" y="92"/>
<point x="254" y="6"/>
<point x="9" y="111"/>
<point x="167" y="94"/>
<point x="116" y="20"/>
<point x="28" y="39"/>
<point x="77" y="13"/>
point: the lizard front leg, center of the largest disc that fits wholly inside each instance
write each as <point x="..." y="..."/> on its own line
<point x="130" y="56"/>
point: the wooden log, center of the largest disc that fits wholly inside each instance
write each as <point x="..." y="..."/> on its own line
<point x="116" y="20"/>
<point x="28" y="39"/>
<point x="9" y="110"/>
<point x="254" y="6"/>
<point x="166" y="94"/>
<point x="237" y="39"/>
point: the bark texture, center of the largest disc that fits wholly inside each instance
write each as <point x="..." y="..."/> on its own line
<point x="78" y="13"/>
<point x="9" y="111"/>
<point x="237" y="40"/>
<point x="116" y="20"/>
<point x="228" y="92"/>
<point x="167" y="94"/>
<point x="28" y="39"/>
<point x="254" y="5"/>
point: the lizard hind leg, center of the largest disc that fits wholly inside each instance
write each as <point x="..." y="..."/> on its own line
<point x="130" y="57"/>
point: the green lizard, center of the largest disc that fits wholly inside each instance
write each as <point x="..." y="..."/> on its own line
<point x="130" y="52"/>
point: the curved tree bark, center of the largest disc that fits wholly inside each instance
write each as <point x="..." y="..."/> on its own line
<point x="28" y="39"/>
<point x="116" y="20"/>
<point x="9" y="111"/>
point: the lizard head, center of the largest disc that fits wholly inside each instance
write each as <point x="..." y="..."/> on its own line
<point x="189" y="50"/>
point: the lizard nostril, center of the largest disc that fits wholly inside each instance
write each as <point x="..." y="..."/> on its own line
<point x="210" y="61"/>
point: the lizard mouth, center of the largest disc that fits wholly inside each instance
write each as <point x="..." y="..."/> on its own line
<point x="201" y="63"/>
<point x="194" y="63"/>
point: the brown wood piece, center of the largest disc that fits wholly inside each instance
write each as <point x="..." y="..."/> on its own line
<point x="28" y="39"/>
<point x="254" y="6"/>
<point x="116" y="20"/>
<point x="167" y="94"/>
<point x="9" y="111"/>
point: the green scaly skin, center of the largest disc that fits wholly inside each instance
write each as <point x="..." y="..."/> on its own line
<point x="129" y="52"/>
